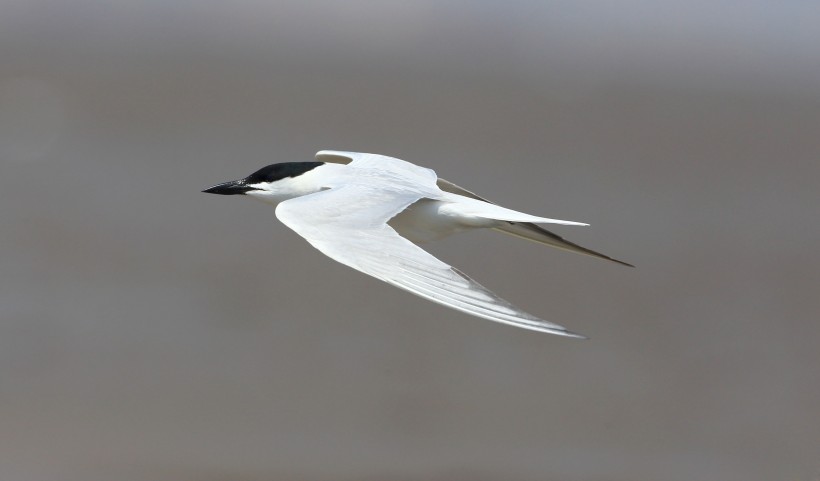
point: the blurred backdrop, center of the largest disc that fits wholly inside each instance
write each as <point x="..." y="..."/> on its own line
<point x="149" y="332"/>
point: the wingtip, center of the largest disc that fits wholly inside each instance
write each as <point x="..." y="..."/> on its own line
<point x="557" y="330"/>
<point x="573" y="335"/>
<point x="566" y="222"/>
<point x="627" y="264"/>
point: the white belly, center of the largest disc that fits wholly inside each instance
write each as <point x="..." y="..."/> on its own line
<point x="427" y="220"/>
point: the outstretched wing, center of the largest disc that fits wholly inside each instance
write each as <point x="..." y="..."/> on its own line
<point x="526" y="230"/>
<point x="359" y="237"/>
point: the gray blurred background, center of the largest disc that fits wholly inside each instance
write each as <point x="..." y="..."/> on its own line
<point x="149" y="332"/>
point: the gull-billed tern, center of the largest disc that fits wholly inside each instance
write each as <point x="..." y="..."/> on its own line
<point x="368" y="211"/>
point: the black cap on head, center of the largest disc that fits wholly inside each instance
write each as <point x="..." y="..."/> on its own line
<point x="274" y="172"/>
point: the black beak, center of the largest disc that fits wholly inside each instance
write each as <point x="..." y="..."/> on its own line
<point x="234" y="187"/>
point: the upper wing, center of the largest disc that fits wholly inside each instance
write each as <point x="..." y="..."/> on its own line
<point x="337" y="156"/>
<point x="381" y="163"/>
<point x="360" y="238"/>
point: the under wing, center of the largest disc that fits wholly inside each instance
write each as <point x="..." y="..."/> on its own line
<point x="361" y="239"/>
<point x="525" y="230"/>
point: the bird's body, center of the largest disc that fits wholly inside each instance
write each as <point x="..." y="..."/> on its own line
<point x="367" y="211"/>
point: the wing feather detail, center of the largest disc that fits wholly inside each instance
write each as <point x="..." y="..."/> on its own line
<point x="353" y="237"/>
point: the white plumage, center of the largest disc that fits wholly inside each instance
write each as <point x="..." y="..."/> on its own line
<point x="363" y="210"/>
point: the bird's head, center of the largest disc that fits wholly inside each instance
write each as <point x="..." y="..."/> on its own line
<point x="272" y="184"/>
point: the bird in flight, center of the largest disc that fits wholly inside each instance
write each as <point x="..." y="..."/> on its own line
<point x="370" y="211"/>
